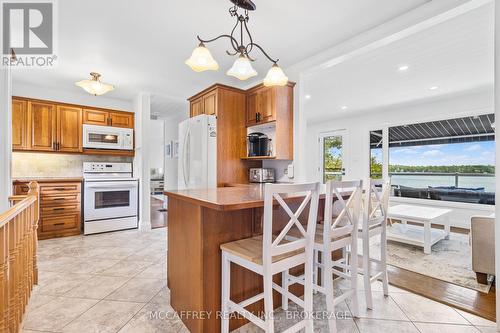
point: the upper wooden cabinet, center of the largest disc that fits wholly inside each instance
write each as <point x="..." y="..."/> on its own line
<point x="206" y="103"/>
<point x="57" y="127"/>
<point x="42" y="126"/>
<point x="20" y="125"/>
<point x="95" y="117"/>
<point x="108" y="118"/>
<point x="265" y="103"/>
<point x="69" y="129"/>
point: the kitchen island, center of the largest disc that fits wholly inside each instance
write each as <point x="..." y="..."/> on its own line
<point x="199" y="221"/>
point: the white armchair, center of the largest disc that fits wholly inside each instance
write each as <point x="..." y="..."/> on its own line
<point x="483" y="247"/>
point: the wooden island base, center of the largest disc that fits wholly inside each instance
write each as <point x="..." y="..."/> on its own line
<point x="199" y="222"/>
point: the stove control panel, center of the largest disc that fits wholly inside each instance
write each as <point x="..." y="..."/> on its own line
<point x="101" y="167"/>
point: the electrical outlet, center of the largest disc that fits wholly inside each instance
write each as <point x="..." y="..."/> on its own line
<point x="289" y="171"/>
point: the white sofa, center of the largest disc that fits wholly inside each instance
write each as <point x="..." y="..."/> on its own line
<point x="483" y="247"/>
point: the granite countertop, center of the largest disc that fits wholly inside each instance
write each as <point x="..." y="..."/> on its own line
<point x="227" y="198"/>
<point x="46" y="179"/>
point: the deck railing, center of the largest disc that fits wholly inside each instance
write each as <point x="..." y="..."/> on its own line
<point x="18" y="262"/>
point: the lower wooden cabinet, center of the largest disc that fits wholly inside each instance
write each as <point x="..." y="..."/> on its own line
<point x="60" y="208"/>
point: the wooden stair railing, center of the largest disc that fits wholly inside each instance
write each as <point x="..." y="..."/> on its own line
<point x="18" y="262"/>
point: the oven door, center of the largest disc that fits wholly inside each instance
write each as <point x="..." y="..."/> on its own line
<point x="110" y="199"/>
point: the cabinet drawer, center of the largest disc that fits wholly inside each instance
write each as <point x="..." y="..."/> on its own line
<point x="21" y="189"/>
<point x="61" y="199"/>
<point x="60" y="210"/>
<point x="58" y="188"/>
<point x="66" y="222"/>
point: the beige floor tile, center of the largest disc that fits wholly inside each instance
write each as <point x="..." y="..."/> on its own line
<point x="162" y="298"/>
<point x="60" y="283"/>
<point x="486" y="329"/>
<point x="155" y="271"/>
<point x="97" y="287"/>
<point x="376" y="286"/>
<point x="445" y="328"/>
<point x="104" y="317"/>
<point x="475" y="320"/>
<point x="56" y="314"/>
<point x="385" y="326"/>
<point x="422" y="309"/>
<point x="126" y="268"/>
<point x="91" y="265"/>
<point x="137" y="290"/>
<point x="383" y="307"/>
<point x="37" y="300"/>
<point x="152" y="320"/>
<point x="150" y="253"/>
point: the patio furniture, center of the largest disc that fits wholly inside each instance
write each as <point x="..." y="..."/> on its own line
<point x="483" y="247"/>
<point x="423" y="234"/>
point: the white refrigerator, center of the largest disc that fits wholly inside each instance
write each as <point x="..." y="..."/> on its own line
<point x="198" y="153"/>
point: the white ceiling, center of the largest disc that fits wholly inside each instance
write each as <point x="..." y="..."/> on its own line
<point x="456" y="56"/>
<point x="142" y="45"/>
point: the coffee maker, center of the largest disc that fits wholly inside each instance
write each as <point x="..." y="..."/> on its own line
<point x="258" y="144"/>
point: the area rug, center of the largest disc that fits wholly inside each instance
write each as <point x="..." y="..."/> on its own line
<point x="449" y="261"/>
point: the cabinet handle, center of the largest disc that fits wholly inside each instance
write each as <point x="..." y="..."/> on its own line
<point x="59" y="198"/>
<point x="111" y="121"/>
<point x="58" y="208"/>
<point x="62" y="223"/>
<point x="59" y="189"/>
<point x="53" y="146"/>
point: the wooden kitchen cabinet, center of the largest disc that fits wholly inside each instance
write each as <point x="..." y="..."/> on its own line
<point x="20" y="130"/>
<point x="45" y="126"/>
<point x="69" y="129"/>
<point x="108" y="118"/>
<point x="263" y="102"/>
<point x="60" y="207"/>
<point x="95" y="117"/>
<point x="210" y="103"/>
<point x="42" y="125"/>
<point x="196" y="107"/>
<point x="121" y="119"/>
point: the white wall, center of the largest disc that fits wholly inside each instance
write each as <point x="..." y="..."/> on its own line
<point x="5" y="138"/>
<point x="359" y="125"/>
<point x="157" y="144"/>
<point x="83" y="98"/>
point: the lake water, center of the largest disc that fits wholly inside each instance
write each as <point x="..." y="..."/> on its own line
<point x="463" y="181"/>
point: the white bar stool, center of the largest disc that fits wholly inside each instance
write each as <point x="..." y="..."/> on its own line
<point x="374" y="222"/>
<point x="337" y="233"/>
<point x="268" y="255"/>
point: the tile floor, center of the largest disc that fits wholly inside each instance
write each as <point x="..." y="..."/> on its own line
<point x="115" y="282"/>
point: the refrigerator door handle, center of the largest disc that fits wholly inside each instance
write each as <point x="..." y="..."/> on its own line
<point x="185" y="157"/>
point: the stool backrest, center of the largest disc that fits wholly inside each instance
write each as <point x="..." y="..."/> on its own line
<point x="346" y="222"/>
<point x="279" y="245"/>
<point x="376" y="202"/>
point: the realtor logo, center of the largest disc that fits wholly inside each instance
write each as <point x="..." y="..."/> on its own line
<point x="28" y="33"/>
<point x="28" y="27"/>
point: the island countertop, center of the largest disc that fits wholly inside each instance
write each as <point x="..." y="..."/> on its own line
<point x="241" y="196"/>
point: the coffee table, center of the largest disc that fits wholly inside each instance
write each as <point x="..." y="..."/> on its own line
<point x="423" y="234"/>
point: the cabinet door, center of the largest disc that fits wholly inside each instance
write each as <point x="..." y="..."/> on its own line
<point x="42" y="126"/>
<point x="252" y="104"/>
<point x="210" y="103"/>
<point x="266" y="98"/>
<point x="95" y="117"/>
<point x="121" y="119"/>
<point x="197" y="107"/>
<point x="20" y="124"/>
<point x="69" y="129"/>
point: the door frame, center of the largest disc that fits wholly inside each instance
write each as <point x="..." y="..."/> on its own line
<point x="344" y="133"/>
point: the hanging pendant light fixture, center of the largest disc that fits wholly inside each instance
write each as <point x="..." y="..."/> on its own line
<point x="94" y="86"/>
<point x="202" y="60"/>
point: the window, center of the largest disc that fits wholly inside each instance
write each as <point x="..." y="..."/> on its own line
<point x="448" y="160"/>
<point x="376" y="159"/>
<point x="332" y="164"/>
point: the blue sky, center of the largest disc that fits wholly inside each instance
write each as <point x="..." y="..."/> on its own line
<point x="472" y="153"/>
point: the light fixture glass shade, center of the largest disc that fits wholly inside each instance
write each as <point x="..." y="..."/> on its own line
<point x="242" y="69"/>
<point x="94" y="86"/>
<point x="201" y="60"/>
<point x="275" y="77"/>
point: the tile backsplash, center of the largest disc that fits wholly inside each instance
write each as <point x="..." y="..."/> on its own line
<point x="55" y="165"/>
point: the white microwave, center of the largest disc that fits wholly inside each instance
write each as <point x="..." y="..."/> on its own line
<point x="107" y="137"/>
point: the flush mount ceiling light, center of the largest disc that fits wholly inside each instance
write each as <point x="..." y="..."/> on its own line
<point x="201" y="59"/>
<point x="94" y="86"/>
<point x="343" y="107"/>
<point x="434" y="88"/>
<point x="403" y="68"/>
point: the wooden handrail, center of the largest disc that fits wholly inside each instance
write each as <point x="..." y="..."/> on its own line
<point x="18" y="262"/>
